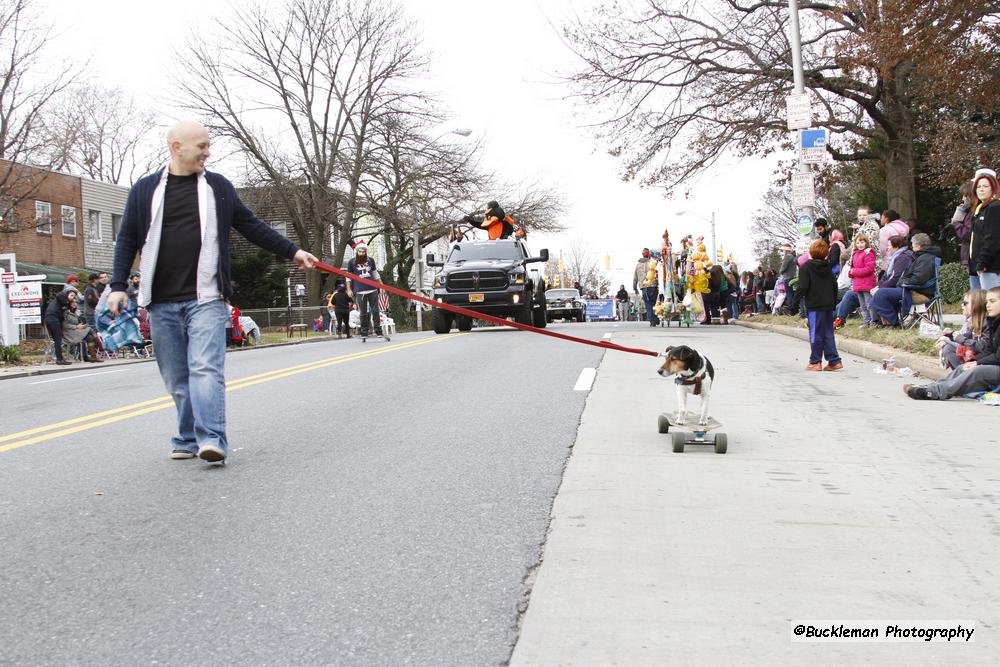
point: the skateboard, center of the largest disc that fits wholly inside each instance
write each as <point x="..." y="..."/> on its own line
<point x="692" y="433"/>
<point x="385" y="336"/>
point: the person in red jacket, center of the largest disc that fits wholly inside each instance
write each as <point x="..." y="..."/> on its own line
<point x="862" y="271"/>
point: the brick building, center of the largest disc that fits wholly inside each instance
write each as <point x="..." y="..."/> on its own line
<point x="58" y="224"/>
<point x="42" y="222"/>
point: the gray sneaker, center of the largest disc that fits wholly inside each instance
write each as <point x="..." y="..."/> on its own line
<point x="181" y="454"/>
<point x="211" y="453"/>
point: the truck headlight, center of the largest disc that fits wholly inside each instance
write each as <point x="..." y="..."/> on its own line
<point x="517" y="278"/>
<point x="439" y="281"/>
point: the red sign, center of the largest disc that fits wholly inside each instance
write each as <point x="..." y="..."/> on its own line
<point x="7" y="278"/>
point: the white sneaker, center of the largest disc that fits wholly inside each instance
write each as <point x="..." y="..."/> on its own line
<point x="211" y="453"/>
<point x="181" y="454"/>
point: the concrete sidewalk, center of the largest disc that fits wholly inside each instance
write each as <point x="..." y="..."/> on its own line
<point x="840" y="499"/>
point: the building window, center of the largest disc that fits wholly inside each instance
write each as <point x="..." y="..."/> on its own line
<point x="43" y="217"/>
<point x="68" y="221"/>
<point x="116" y="225"/>
<point x="94" y="222"/>
<point x="281" y="227"/>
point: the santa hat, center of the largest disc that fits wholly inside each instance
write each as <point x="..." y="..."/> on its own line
<point x="983" y="171"/>
<point x="360" y="245"/>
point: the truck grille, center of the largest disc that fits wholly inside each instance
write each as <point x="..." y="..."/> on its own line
<point x="477" y="281"/>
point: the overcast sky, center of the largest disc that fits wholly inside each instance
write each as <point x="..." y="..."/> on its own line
<point x="531" y="136"/>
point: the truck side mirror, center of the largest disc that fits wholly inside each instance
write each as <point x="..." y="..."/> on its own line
<point x="544" y="254"/>
<point x="430" y="257"/>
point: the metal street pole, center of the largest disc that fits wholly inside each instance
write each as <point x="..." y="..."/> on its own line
<point x="715" y="253"/>
<point x="418" y="265"/>
<point x="798" y="75"/>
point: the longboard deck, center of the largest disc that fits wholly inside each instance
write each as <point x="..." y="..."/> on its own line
<point x="692" y="423"/>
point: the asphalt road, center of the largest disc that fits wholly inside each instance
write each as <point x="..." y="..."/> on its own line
<point x="383" y="504"/>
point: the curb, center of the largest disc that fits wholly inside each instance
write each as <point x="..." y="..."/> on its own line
<point x="45" y="370"/>
<point x="872" y="351"/>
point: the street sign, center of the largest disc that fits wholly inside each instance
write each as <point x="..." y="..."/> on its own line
<point x="799" y="111"/>
<point x="25" y="293"/>
<point x="812" y="146"/>
<point x="7" y="278"/>
<point x="25" y="303"/>
<point x="803" y="192"/>
<point x="805" y="223"/>
<point x="26" y="313"/>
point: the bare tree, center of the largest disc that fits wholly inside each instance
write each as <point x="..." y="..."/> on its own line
<point x="684" y="81"/>
<point x="417" y="187"/>
<point x="582" y="267"/>
<point x="299" y="89"/>
<point x="27" y="88"/>
<point x="101" y="133"/>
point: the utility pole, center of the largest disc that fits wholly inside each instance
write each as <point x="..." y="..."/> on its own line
<point x="807" y="212"/>
<point x="418" y="266"/>
<point x="714" y="252"/>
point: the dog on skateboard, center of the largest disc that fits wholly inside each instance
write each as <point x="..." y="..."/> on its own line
<point x="693" y="375"/>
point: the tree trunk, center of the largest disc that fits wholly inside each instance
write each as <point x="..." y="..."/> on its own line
<point x="899" y="162"/>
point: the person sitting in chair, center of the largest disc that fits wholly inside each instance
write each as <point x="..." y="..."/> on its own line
<point x="917" y="285"/>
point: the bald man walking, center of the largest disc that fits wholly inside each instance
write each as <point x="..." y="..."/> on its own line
<point x="180" y="218"/>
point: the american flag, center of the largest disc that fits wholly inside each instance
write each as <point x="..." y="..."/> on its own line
<point x="383" y="300"/>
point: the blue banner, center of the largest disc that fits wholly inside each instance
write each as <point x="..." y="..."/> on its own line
<point x="600" y="309"/>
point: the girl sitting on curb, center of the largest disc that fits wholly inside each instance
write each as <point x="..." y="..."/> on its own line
<point x="958" y="348"/>
<point x="982" y="374"/>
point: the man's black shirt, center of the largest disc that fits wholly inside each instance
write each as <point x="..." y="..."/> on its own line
<point x="176" y="277"/>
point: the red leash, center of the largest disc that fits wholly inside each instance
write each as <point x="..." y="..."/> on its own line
<point x="481" y="316"/>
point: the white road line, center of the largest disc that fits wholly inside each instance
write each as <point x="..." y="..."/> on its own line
<point x="85" y="375"/>
<point x="586" y="379"/>
<point x="607" y="336"/>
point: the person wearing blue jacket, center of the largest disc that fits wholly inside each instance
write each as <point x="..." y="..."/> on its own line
<point x="180" y="218"/>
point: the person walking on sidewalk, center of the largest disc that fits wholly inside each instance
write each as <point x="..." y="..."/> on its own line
<point x="364" y="295"/>
<point x="645" y="275"/>
<point x="818" y="288"/>
<point x="180" y="218"/>
<point x="342" y="310"/>
<point x="55" y="314"/>
<point x="622" y="301"/>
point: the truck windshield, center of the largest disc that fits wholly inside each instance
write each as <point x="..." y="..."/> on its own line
<point x="466" y="252"/>
<point x="562" y="294"/>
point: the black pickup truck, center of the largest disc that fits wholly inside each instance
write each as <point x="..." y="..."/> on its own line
<point x="489" y="277"/>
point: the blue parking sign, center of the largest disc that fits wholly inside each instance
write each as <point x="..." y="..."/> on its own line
<point x="812" y="139"/>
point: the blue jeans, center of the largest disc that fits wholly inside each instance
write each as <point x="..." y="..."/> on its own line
<point x="190" y="341"/>
<point x="649" y="295"/>
<point x="974" y="281"/>
<point x="848" y="304"/>
<point x="988" y="280"/>
<point x="822" y="342"/>
<point x="889" y="302"/>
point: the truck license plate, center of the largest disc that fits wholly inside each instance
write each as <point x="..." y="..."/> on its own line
<point x="477" y="298"/>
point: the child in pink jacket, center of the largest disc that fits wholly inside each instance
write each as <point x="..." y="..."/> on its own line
<point x="863" y="273"/>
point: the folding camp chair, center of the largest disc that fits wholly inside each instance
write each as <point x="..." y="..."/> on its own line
<point x="926" y="309"/>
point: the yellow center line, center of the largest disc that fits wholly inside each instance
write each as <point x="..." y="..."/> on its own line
<point x="145" y="407"/>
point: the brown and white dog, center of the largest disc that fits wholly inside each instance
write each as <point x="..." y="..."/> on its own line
<point x="694" y="375"/>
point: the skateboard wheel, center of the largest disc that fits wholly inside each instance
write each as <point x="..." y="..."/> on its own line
<point x="662" y="424"/>
<point x="679" y="439"/>
<point x="720" y="443"/>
